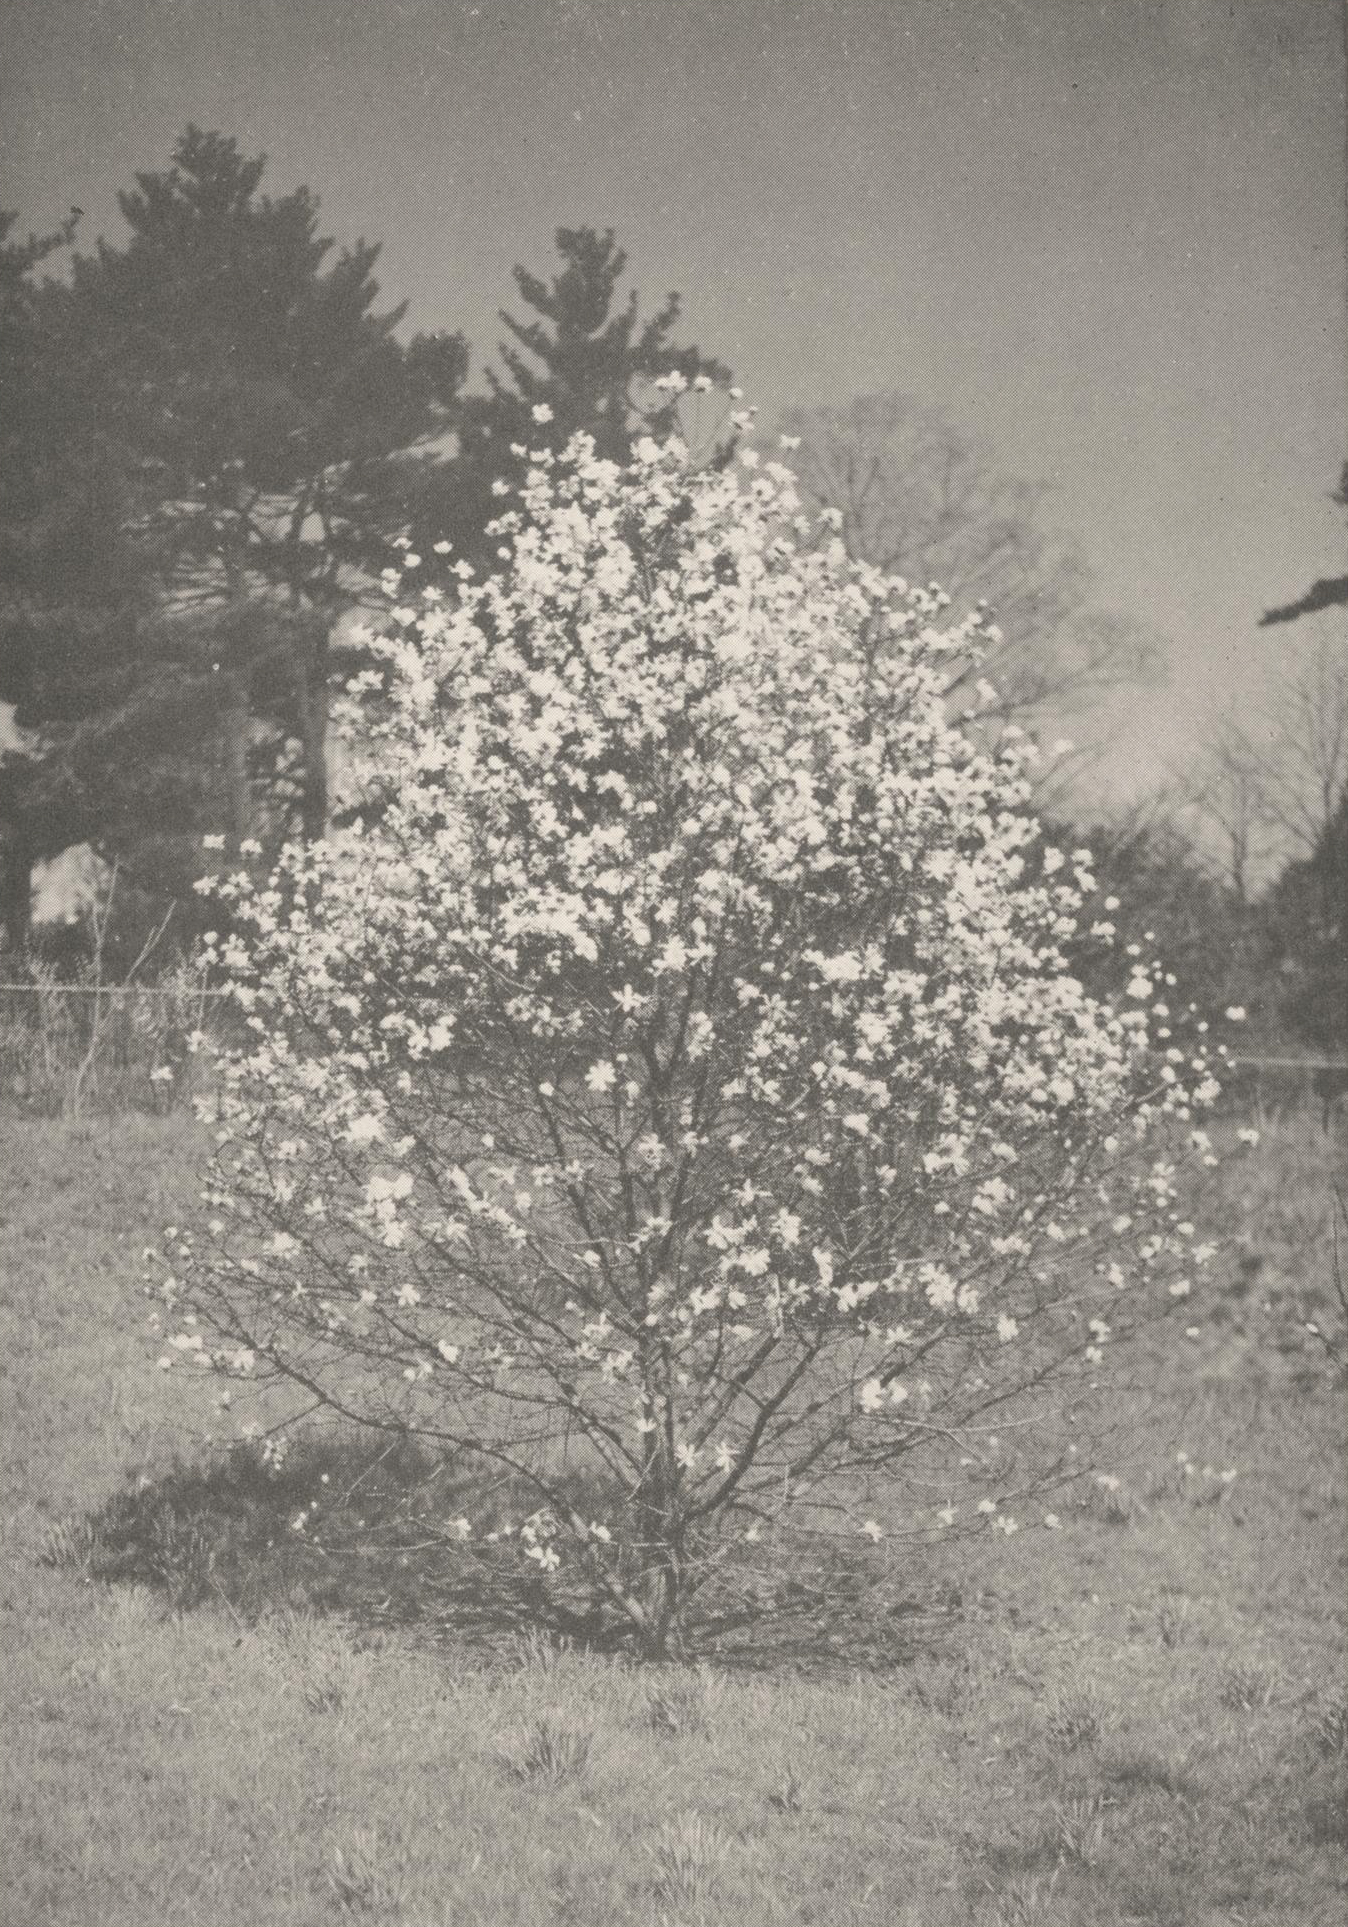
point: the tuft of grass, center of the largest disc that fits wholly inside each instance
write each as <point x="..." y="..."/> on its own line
<point x="551" y="1751"/>
<point x="1110" y="1501"/>
<point x="689" y="1856"/>
<point x="73" y="1544"/>
<point x="1078" y="1716"/>
<point x="1331" y="1723"/>
<point x="329" y="1686"/>
<point x="788" y="1795"/>
<point x="1172" y="1620"/>
<point x="684" y="1703"/>
<point x="1247" y="1686"/>
<point x="1026" y="1901"/>
<point x="365" y="1876"/>
<point x="536" y="1650"/>
<point x="182" y="1556"/>
<point x="1079" y="1828"/>
<point x="156" y="1544"/>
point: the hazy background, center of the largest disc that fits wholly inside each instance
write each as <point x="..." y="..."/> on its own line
<point x="1108" y="236"/>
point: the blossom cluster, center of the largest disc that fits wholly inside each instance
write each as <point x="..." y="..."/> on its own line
<point x="677" y="1052"/>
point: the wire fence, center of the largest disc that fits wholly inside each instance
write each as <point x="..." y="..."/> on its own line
<point x="73" y="1047"/>
<point x="1270" y="1085"/>
<point x="1287" y="1063"/>
<point x="137" y="992"/>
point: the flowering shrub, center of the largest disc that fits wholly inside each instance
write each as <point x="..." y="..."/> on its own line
<point x="672" y="1076"/>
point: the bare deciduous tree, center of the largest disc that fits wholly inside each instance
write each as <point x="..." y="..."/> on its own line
<point x="1226" y="790"/>
<point x="1271" y="784"/>
<point x="1302" y="744"/>
<point x="920" y="499"/>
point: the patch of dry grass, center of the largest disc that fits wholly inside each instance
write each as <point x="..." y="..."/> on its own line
<point x="1133" y="1719"/>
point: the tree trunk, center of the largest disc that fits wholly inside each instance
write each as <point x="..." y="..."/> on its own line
<point x="311" y="695"/>
<point x="16" y="890"/>
<point x="661" y="1637"/>
<point x="234" y="720"/>
<point x="659" y="1529"/>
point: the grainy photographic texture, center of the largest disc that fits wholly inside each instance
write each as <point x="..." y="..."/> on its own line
<point x="673" y="966"/>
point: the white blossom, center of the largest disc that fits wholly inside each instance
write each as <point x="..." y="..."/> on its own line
<point x="681" y="1014"/>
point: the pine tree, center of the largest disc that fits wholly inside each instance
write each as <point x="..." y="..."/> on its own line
<point x="71" y="589"/>
<point x="272" y="415"/>
<point x="581" y="352"/>
<point x="217" y="432"/>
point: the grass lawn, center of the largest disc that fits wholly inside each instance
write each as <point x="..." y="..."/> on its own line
<point x="1137" y="1718"/>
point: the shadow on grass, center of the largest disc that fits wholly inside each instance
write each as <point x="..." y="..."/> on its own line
<point x="374" y="1529"/>
<point x="343" y="1523"/>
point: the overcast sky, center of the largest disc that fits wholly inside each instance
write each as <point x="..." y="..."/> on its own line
<point x="1106" y="234"/>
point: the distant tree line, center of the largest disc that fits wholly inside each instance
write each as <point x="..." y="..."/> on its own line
<point x="214" y="441"/>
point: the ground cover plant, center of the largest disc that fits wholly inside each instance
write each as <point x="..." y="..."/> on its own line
<point x="1137" y="1717"/>
<point x="670" y="1092"/>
